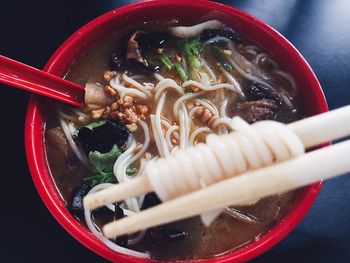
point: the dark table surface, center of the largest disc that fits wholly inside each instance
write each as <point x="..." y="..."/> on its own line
<point x="32" y="30"/>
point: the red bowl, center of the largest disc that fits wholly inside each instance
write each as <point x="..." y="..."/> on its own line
<point x="312" y="102"/>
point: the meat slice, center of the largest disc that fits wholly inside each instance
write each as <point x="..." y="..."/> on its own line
<point x="258" y="110"/>
<point x="95" y="95"/>
<point x="57" y="139"/>
<point x="133" y="49"/>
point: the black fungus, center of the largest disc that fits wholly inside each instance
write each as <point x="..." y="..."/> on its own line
<point x="225" y="32"/>
<point x="102" y="138"/>
<point x="119" y="214"/>
<point x="153" y="40"/>
<point x="142" y="47"/>
<point x="79" y="193"/>
<point x="161" y="234"/>
<point x="118" y="60"/>
<point x="257" y="91"/>
<point x="118" y="57"/>
<point x="151" y="199"/>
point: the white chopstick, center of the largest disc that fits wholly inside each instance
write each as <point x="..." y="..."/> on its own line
<point x="312" y="131"/>
<point x="312" y="167"/>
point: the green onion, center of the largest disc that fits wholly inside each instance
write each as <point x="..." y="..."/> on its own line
<point x="180" y="71"/>
<point x="167" y="62"/>
<point x="220" y="58"/>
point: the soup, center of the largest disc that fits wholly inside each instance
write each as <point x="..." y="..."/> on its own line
<point x="152" y="89"/>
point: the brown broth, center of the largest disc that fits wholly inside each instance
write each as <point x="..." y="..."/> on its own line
<point x="224" y="234"/>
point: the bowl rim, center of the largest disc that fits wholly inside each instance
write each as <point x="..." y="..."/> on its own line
<point x="41" y="176"/>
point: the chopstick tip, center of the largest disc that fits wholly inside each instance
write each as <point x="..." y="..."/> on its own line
<point x="89" y="202"/>
<point x="110" y="231"/>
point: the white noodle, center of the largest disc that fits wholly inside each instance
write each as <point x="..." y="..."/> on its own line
<point x="195" y="30"/>
<point x="193" y="111"/>
<point x="260" y="56"/>
<point x="197" y="131"/>
<point x="209" y="105"/>
<point x="232" y="80"/>
<point x="156" y="135"/>
<point x="165" y="84"/>
<point x="148" y="85"/>
<point x="158" y="124"/>
<point x="123" y="91"/>
<point x="145" y="144"/>
<point x="137" y="85"/>
<point x="249" y="76"/>
<point x="119" y="169"/>
<point x="165" y="122"/>
<point x="78" y="152"/>
<point x="183" y="99"/>
<point x="99" y="235"/>
<point x="158" y="76"/>
<point x="64" y="115"/>
<point x="223" y="107"/>
<point x="187" y="123"/>
<point x="157" y="128"/>
<point x="209" y="70"/>
<point x="182" y="129"/>
<point x="168" y="134"/>
<point x="210" y="87"/>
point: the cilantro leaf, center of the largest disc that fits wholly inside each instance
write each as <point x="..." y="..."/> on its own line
<point x="103" y="162"/>
<point x="102" y="166"/>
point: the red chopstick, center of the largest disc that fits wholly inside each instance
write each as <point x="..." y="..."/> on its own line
<point x="19" y="75"/>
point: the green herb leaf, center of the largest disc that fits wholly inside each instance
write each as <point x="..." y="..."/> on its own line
<point x="102" y="166"/>
<point x="101" y="178"/>
<point x="102" y="163"/>
<point x="95" y="124"/>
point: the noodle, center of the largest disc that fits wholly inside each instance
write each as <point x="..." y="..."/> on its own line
<point x="163" y="85"/>
<point x="249" y="76"/>
<point x="78" y="152"/>
<point x="98" y="234"/>
<point x="183" y="99"/>
<point x="210" y="87"/>
<point x="123" y="91"/>
<point x="197" y="131"/>
<point x="209" y="105"/>
<point x="168" y="134"/>
<point x="208" y="70"/>
<point x="137" y="85"/>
